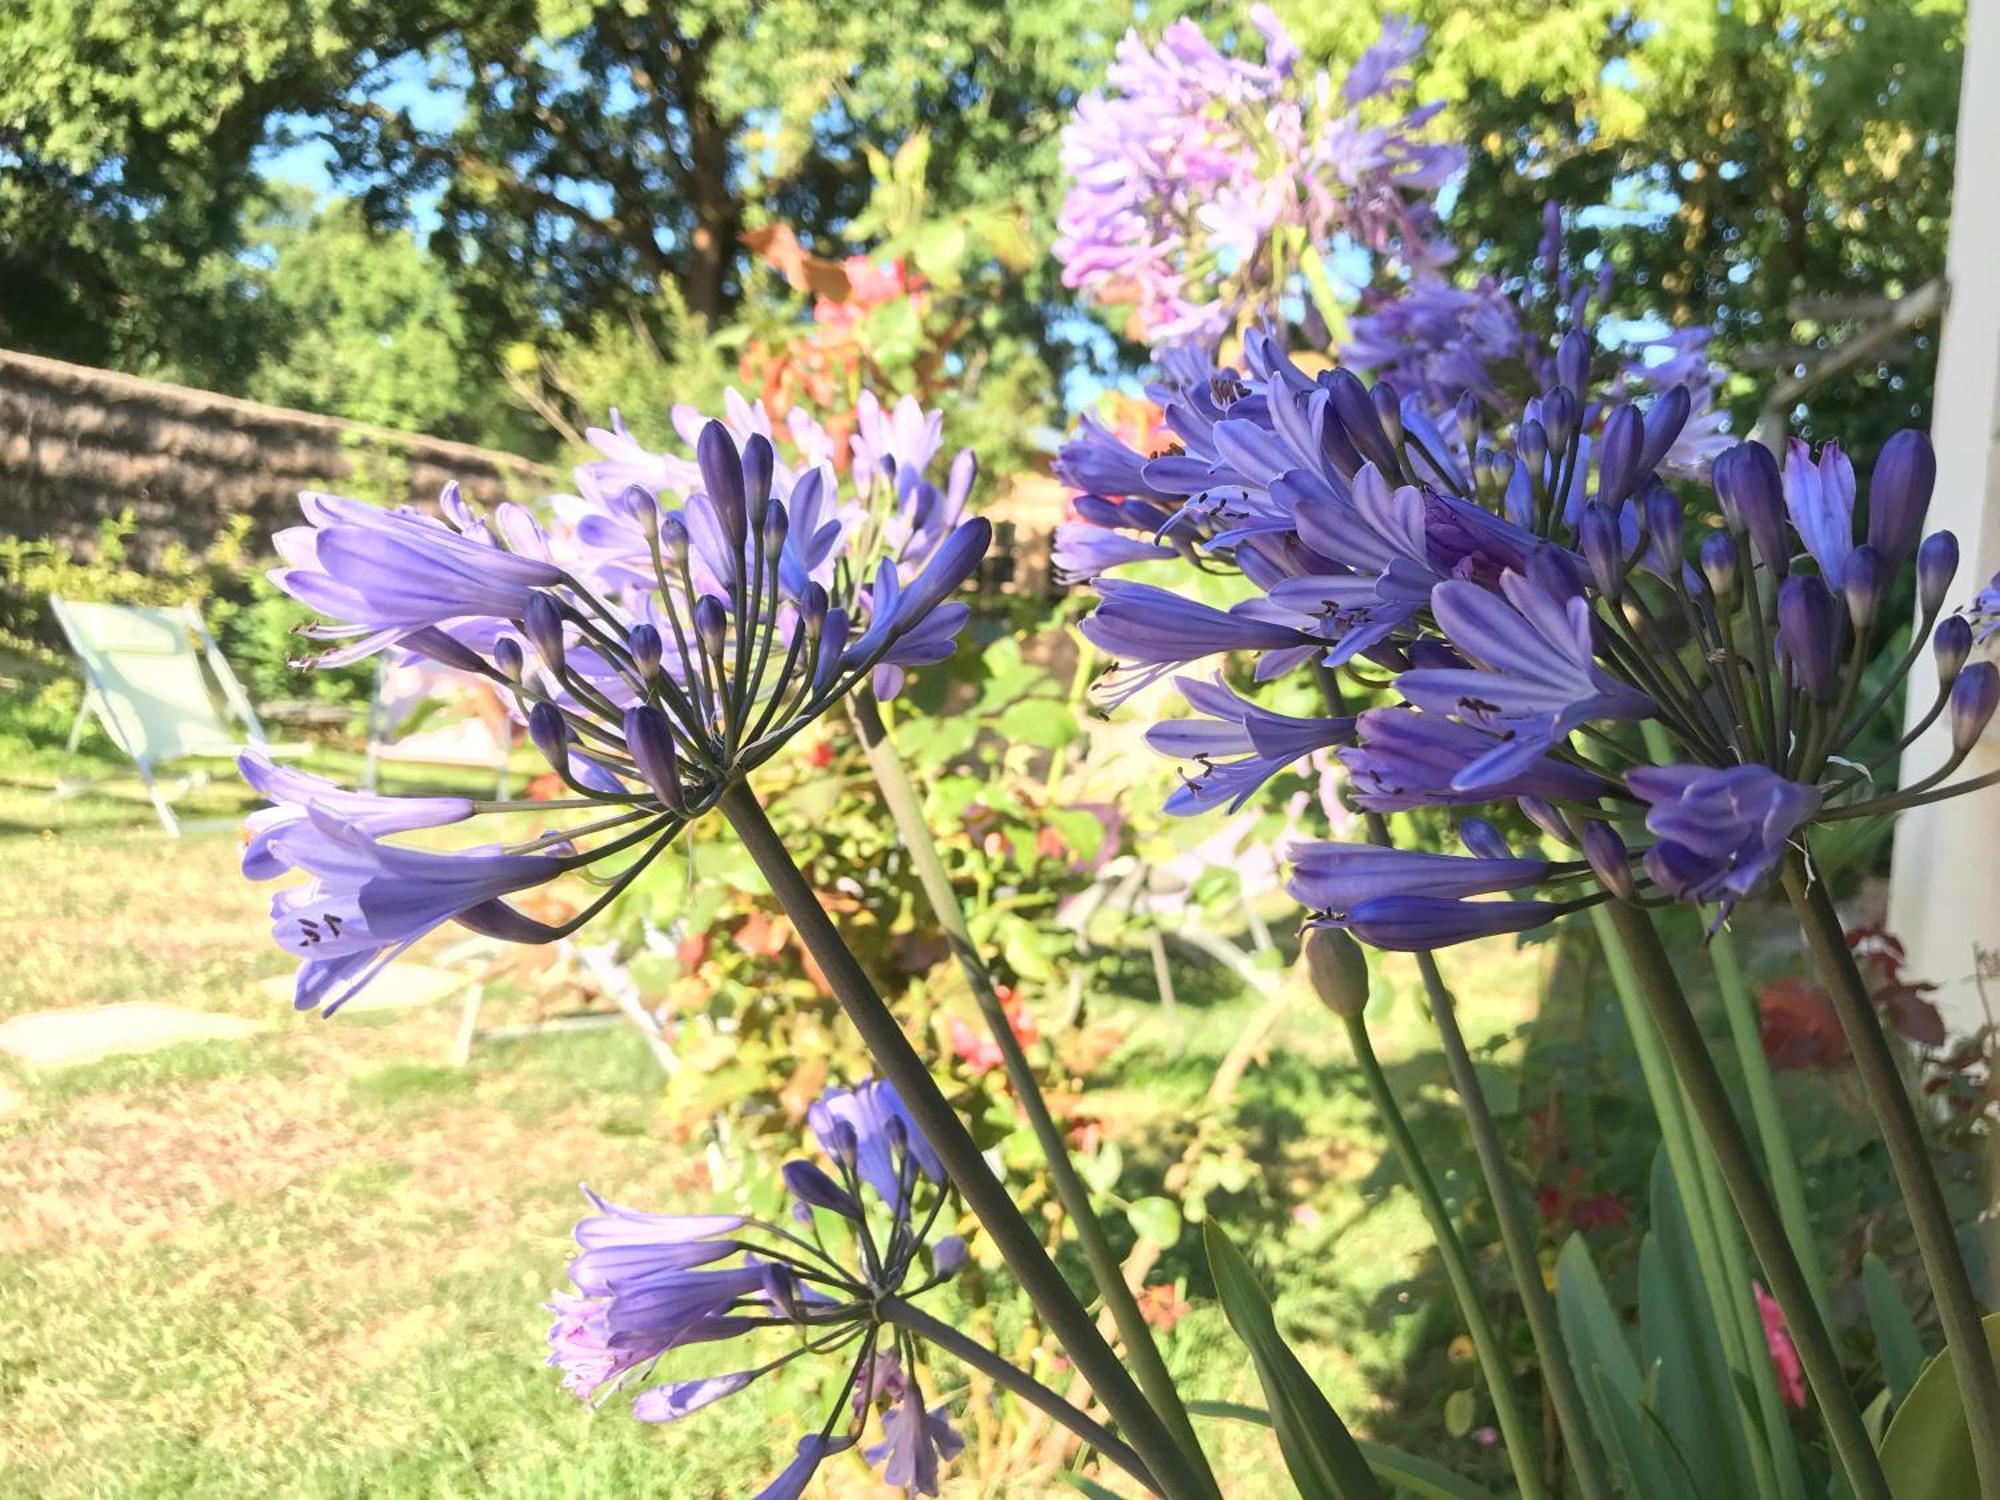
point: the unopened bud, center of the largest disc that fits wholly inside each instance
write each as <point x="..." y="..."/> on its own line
<point x="1937" y="565"/>
<point x="541" y="621"/>
<point x="1951" y="646"/>
<point x="1606" y="854"/>
<point x="1338" y="969"/>
<point x="645" y="647"/>
<point x="1973" y="699"/>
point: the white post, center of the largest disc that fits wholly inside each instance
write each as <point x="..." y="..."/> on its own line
<point x="1944" y="899"/>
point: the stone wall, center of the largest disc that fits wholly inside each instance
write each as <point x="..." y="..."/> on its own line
<point x="79" y="445"/>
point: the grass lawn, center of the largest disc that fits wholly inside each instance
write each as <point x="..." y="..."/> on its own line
<point x="312" y="1262"/>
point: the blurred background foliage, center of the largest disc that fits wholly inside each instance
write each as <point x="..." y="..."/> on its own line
<point x="528" y="209"/>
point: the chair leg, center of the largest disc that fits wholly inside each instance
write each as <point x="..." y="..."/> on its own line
<point x="167" y="819"/>
<point x="468" y="1025"/>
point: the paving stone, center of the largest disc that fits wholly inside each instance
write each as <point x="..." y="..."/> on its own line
<point x="54" y="1038"/>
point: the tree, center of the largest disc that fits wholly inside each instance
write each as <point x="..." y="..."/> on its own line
<point x="362" y="324"/>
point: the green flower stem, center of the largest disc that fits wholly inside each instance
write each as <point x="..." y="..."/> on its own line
<point x="1725" y="1274"/>
<point x="1457" y="1264"/>
<point x="1902" y="1133"/>
<point x="1772" y="1454"/>
<point x="900" y="796"/>
<point x="1517" y="1233"/>
<point x="1018" y="1243"/>
<point x="913" y="1319"/>
<point x="1736" y="1159"/>
<point x="1761" y="1084"/>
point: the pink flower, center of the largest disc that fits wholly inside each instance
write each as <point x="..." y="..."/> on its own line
<point x="1784" y="1358"/>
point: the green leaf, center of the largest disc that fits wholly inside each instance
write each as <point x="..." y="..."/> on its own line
<point x="1895" y="1332"/>
<point x="1089" y="1487"/>
<point x="1927" y="1452"/>
<point x="1420" y="1477"/>
<point x="1156" y="1219"/>
<point x="1045" y="723"/>
<point x="1698" y="1404"/>
<point x="1319" y="1452"/>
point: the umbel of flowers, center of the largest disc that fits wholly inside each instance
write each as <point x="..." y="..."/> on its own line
<point x="1672" y="693"/>
<point x="840" y="1281"/>
<point x="686" y="616"/>
<point x="1202" y="180"/>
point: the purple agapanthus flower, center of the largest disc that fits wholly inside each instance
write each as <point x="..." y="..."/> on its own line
<point x="655" y="651"/>
<point x="1236" y="745"/>
<point x="646" y="1285"/>
<point x="1540" y="680"/>
<point x="1192" y="166"/>
<point x="1722" y="833"/>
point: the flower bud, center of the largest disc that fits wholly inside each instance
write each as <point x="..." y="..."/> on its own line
<point x="810" y="1185"/>
<point x="1603" y="548"/>
<point x="722" y="481"/>
<point x="1899" y="493"/>
<point x="758" y="462"/>
<point x="948" y="1255"/>
<point x="1559" y="416"/>
<point x="711" y="622"/>
<point x="508" y="660"/>
<point x="1339" y="971"/>
<point x="674" y="538"/>
<point x="1718" y="564"/>
<point x="541" y="621"/>
<point x="1546" y="816"/>
<point x="1664" y="544"/>
<point x="1951" y="645"/>
<point x="1606" y="854"/>
<point x="1752" y="492"/>
<point x="1467" y="412"/>
<point x="1864" y="580"/>
<point x="775" y="524"/>
<point x="1573" y="360"/>
<point x="1356" y="410"/>
<point x="846" y="1146"/>
<point x="1937" y="565"/>
<point x="1531" y="441"/>
<point x="637" y="505"/>
<point x="550" y="734"/>
<point x="645" y="647"/>
<point x="1809" y="631"/>
<point x="1483" y="839"/>
<point x="781" y="1286"/>
<point x="1388" y="410"/>
<point x="650" y="738"/>
<point x="1664" y="420"/>
<point x="813" y="607"/>
<point x="1618" y="453"/>
<point x="1973" y="699"/>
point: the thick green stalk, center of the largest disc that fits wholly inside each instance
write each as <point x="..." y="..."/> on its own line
<point x="1902" y="1133"/>
<point x="1736" y="1159"/>
<point x="1517" y="1233"/>
<point x="893" y="777"/>
<point x="1758" y="1080"/>
<point x="1457" y="1266"/>
<point x="1724" y="1280"/>
<point x="1018" y="1243"/>
<point x="914" y="1319"/>
<point x="1771" y="1451"/>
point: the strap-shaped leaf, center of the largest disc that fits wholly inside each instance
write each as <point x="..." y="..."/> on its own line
<point x="1322" y="1456"/>
<point x="1927" y="1451"/>
<point x="1698" y="1406"/>
<point x="1895" y="1331"/>
<point x="1418" y="1477"/>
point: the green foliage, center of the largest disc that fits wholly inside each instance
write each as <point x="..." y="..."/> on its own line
<point x="1319" y="1451"/>
<point x="361" y="324"/>
<point x="1927" y="1451"/>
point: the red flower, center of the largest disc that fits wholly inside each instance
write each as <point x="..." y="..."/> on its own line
<point x="1784" y="1357"/>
